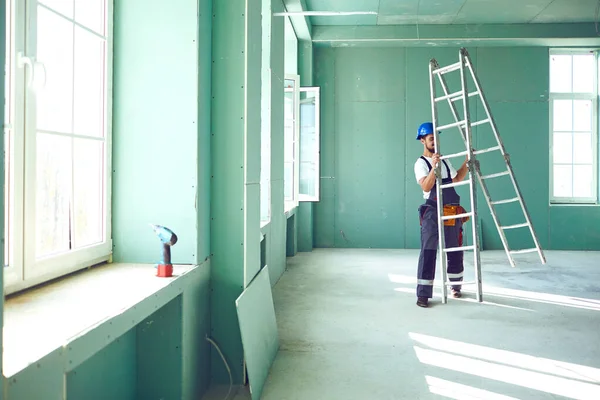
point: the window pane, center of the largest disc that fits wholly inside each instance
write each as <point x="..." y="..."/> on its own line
<point x="8" y="188"/>
<point x="87" y="191"/>
<point x="563" y="181"/>
<point x="560" y="73"/>
<point x="55" y="51"/>
<point x="582" y="115"/>
<point x="91" y="14"/>
<point x="288" y="181"/>
<point x="582" y="180"/>
<point x="289" y="127"/>
<point x="89" y="84"/>
<point x="65" y="7"/>
<point x="562" y="147"/>
<point x="563" y="115"/>
<point x="53" y="194"/>
<point x="583" y="73"/>
<point x="582" y="148"/>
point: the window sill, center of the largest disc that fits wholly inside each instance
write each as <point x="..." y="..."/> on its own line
<point x="82" y="312"/>
<point x="574" y="205"/>
<point x="291" y="211"/>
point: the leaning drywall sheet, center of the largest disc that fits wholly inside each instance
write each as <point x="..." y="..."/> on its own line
<point x="256" y="315"/>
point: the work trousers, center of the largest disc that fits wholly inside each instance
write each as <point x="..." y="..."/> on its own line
<point x="429" y="247"/>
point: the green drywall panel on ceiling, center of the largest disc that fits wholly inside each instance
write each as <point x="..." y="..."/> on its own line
<point x="159" y="353"/>
<point x="256" y="315"/>
<point x="568" y="11"/>
<point x="504" y="12"/>
<point x="155" y="129"/>
<point x="204" y="129"/>
<point x="109" y="374"/>
<point x="196" y="326"/>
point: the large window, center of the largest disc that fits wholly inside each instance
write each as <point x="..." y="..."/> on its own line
<point x="309" y="143"/>
<point x="573" y="122"/>
<point x="57" y="138"/>
<point x="291" y="148"/>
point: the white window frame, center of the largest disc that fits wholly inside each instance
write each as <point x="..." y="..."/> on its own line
<point x="304" y="197"/>
<point x="25" y="270"/>
<point x="556" y="200"/>
<point x="290" y="204"/>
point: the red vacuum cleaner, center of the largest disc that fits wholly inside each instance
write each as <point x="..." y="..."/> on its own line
<point x="168" y="239"/>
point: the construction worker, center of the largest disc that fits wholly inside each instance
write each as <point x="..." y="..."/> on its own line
<point x="425" y="173"/>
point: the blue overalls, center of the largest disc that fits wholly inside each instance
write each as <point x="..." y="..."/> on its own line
<point x="429" y="239"/>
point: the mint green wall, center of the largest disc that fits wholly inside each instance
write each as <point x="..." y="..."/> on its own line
<point x="155" y="128"/>
<point x="275" y="234"/>
<point x="109" y="374"/>
<point x="373" y="100"/>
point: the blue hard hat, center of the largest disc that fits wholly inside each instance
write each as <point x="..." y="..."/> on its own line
<point x="426" y="128"/>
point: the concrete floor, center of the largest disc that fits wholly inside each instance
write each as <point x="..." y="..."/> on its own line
<point x="350" y="329"/>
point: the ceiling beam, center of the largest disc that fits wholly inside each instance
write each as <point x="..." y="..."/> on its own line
<point x="300" y="22"/>
<point x="579" y="35"/>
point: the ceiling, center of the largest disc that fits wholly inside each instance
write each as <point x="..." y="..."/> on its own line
<point x="409" y="12"/>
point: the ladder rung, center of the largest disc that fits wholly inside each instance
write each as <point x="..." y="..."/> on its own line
<point x="452" y="96"/>
<point x="462" y="248"/>
<point x="469" y="214"/>
<point x="448" y="68"/>
<point x="454" y="184"/>
<point x="515" y="226"/>
<point x="524" y="251"/>
<point x="450" y="283"/>
<point x="483" y="121"/>
<point x="505" y="201"/>
<point x="441" y="128"/>
<point x="475" y="93"/>
<point x="462" y="153"/>
<point x="495" y="175"/>
<point x="487" y="150"/>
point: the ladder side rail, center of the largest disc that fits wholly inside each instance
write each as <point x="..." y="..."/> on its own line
<point x="488" y="199"/>
<point x="473" y="192"/>
<point x="503" y="151"/>
<point x="441" y="259"/>
<point x="452" y="106"/>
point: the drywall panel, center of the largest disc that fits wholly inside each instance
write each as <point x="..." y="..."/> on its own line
<point x="155" y="128"/>
<point x="159" y="353"/>
<point x="324" y="219"/>
<point x="109" y="374"/>
<point x="258" y="327"/>
<point x="370" y="163"/>
<point x="204" y="132"/>
<point x="276" y="250"/>
<point x="196" y="326"/>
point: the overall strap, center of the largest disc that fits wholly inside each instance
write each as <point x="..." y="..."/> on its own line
<point x="429" y="165"/>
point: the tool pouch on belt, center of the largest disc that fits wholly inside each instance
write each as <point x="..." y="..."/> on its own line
<point x="454" y="210"/>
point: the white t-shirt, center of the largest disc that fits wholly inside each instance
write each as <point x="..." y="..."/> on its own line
<point x="422" y="170"/>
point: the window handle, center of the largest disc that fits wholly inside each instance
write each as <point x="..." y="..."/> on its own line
<point x="22" y="61"/>
<point x="32" y="76"/>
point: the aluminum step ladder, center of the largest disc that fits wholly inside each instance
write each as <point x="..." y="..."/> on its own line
<point x="464" y="126"/>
